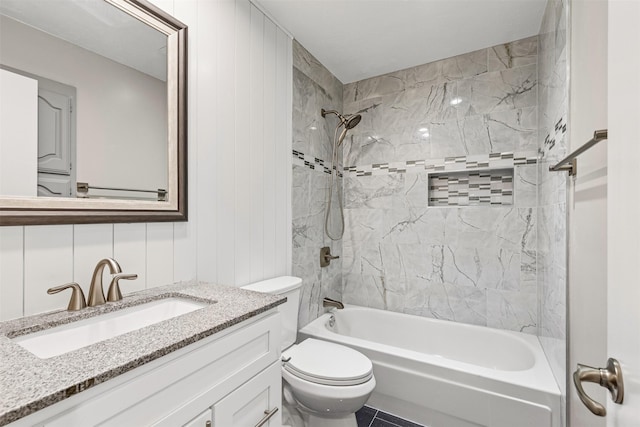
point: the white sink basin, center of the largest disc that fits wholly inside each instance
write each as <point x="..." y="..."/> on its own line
<point x="62" y="339"/>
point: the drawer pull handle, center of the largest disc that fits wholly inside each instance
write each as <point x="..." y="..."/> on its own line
<point x="207" y="424"/>
<point x="267" y="415"/>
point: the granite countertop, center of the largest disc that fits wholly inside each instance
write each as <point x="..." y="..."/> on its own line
<point x="29" y="383"/>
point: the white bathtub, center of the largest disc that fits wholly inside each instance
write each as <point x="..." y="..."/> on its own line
<point x="447" y="374"/>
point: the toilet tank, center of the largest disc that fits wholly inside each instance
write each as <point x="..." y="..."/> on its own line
<point x="289" y="287"/>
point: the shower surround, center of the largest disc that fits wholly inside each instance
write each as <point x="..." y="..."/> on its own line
<point x="314" y="88"/>
<point x="472" y="264"/>
<point x="497" y="265"/>
<point x="501" y="264"/>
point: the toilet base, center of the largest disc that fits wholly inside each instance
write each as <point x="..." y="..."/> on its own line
<point x="348" y="421"/>
<point x="293" y="417"/>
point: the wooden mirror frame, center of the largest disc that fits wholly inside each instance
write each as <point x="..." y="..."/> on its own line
<point x="45" y="210"/>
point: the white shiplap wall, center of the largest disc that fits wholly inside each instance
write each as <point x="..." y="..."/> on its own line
<point x="239" y="227"/>
<point x="35" y="258"/>
<point x="244" y="181"/>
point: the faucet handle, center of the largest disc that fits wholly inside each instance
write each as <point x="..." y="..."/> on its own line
<point x="77" y="301"/>
<point x="326" y="257"/>
<point x="114" y="293"/>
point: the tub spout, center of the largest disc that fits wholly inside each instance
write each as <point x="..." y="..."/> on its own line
<point x="328" y="302"/>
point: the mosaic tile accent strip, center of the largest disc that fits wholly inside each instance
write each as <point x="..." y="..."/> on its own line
<point x="311" y="162"/>
<point x="473" y="188"/>
<point x="459" y="163"/>
<point x="558" y="133"/>
<point x="494" y="160"/>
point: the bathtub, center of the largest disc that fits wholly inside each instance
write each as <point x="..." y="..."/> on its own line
<point x="447" y="374"/>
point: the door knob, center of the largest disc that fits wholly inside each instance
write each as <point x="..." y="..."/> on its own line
<point x="609" y="377"/>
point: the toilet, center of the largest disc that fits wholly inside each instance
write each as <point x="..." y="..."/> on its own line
<point x="323" y="382"/>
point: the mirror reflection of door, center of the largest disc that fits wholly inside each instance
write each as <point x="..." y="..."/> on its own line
<point x="116" y="64"/>
<point x="56" y="139"/>
<point x="56" y="117"/>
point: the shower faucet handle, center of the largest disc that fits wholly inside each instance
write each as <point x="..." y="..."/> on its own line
<point x="326" y="257"/>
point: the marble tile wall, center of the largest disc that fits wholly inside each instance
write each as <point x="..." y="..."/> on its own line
<point x="468" y="264"/>
<point x="479" y="102"/>
<point x="314" y="87"/>
<point x="479" y="187"/>
<point x="552" y="208"/>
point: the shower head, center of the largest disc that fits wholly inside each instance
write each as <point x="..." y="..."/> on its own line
<point x="352" y="121"/>
<point x="348" y="122"/>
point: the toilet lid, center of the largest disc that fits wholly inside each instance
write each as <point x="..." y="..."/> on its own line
<point x="327" y="363"/>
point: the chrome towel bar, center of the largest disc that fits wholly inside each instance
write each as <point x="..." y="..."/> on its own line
<point x="570" y="163"/>
<point x="84" y="187"/>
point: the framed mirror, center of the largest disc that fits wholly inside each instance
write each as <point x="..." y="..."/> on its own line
<point x="93" y="120"/>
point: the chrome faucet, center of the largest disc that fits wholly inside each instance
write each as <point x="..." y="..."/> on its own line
<point x="96" y="293"/>
<point x="328" y="302"/>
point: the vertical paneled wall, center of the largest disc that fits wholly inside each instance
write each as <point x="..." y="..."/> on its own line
<point x="244" y="124"/>
<point x="239" y="177"/>
<point x="35" y="258"/>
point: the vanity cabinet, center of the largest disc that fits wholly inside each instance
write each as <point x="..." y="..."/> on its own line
<point x="203" y="420"/>
<point x="229" y="379"/>
<point x="246" y="406"/>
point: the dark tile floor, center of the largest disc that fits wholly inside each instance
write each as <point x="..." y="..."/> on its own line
<point x="371" y="417"/>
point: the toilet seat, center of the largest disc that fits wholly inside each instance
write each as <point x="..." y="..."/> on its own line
<point x="326" y="363"/>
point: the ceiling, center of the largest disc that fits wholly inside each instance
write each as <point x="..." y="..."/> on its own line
<point x="97" y="26"/>
<point x="357" y="39"/>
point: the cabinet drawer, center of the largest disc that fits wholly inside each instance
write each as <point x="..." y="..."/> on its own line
<point x="258" y="399"/>
<point x="202" y="420"/>
<point x="202" y="374"/>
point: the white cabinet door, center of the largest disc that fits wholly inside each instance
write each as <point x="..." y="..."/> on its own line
<point x="253" y="402"/>
<point x="202" y="420"/>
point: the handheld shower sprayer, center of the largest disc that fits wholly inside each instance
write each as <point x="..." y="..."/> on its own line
<point x="348" y="122"/>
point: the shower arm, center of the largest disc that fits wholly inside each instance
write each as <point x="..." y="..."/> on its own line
<point x="349" y="122"/>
